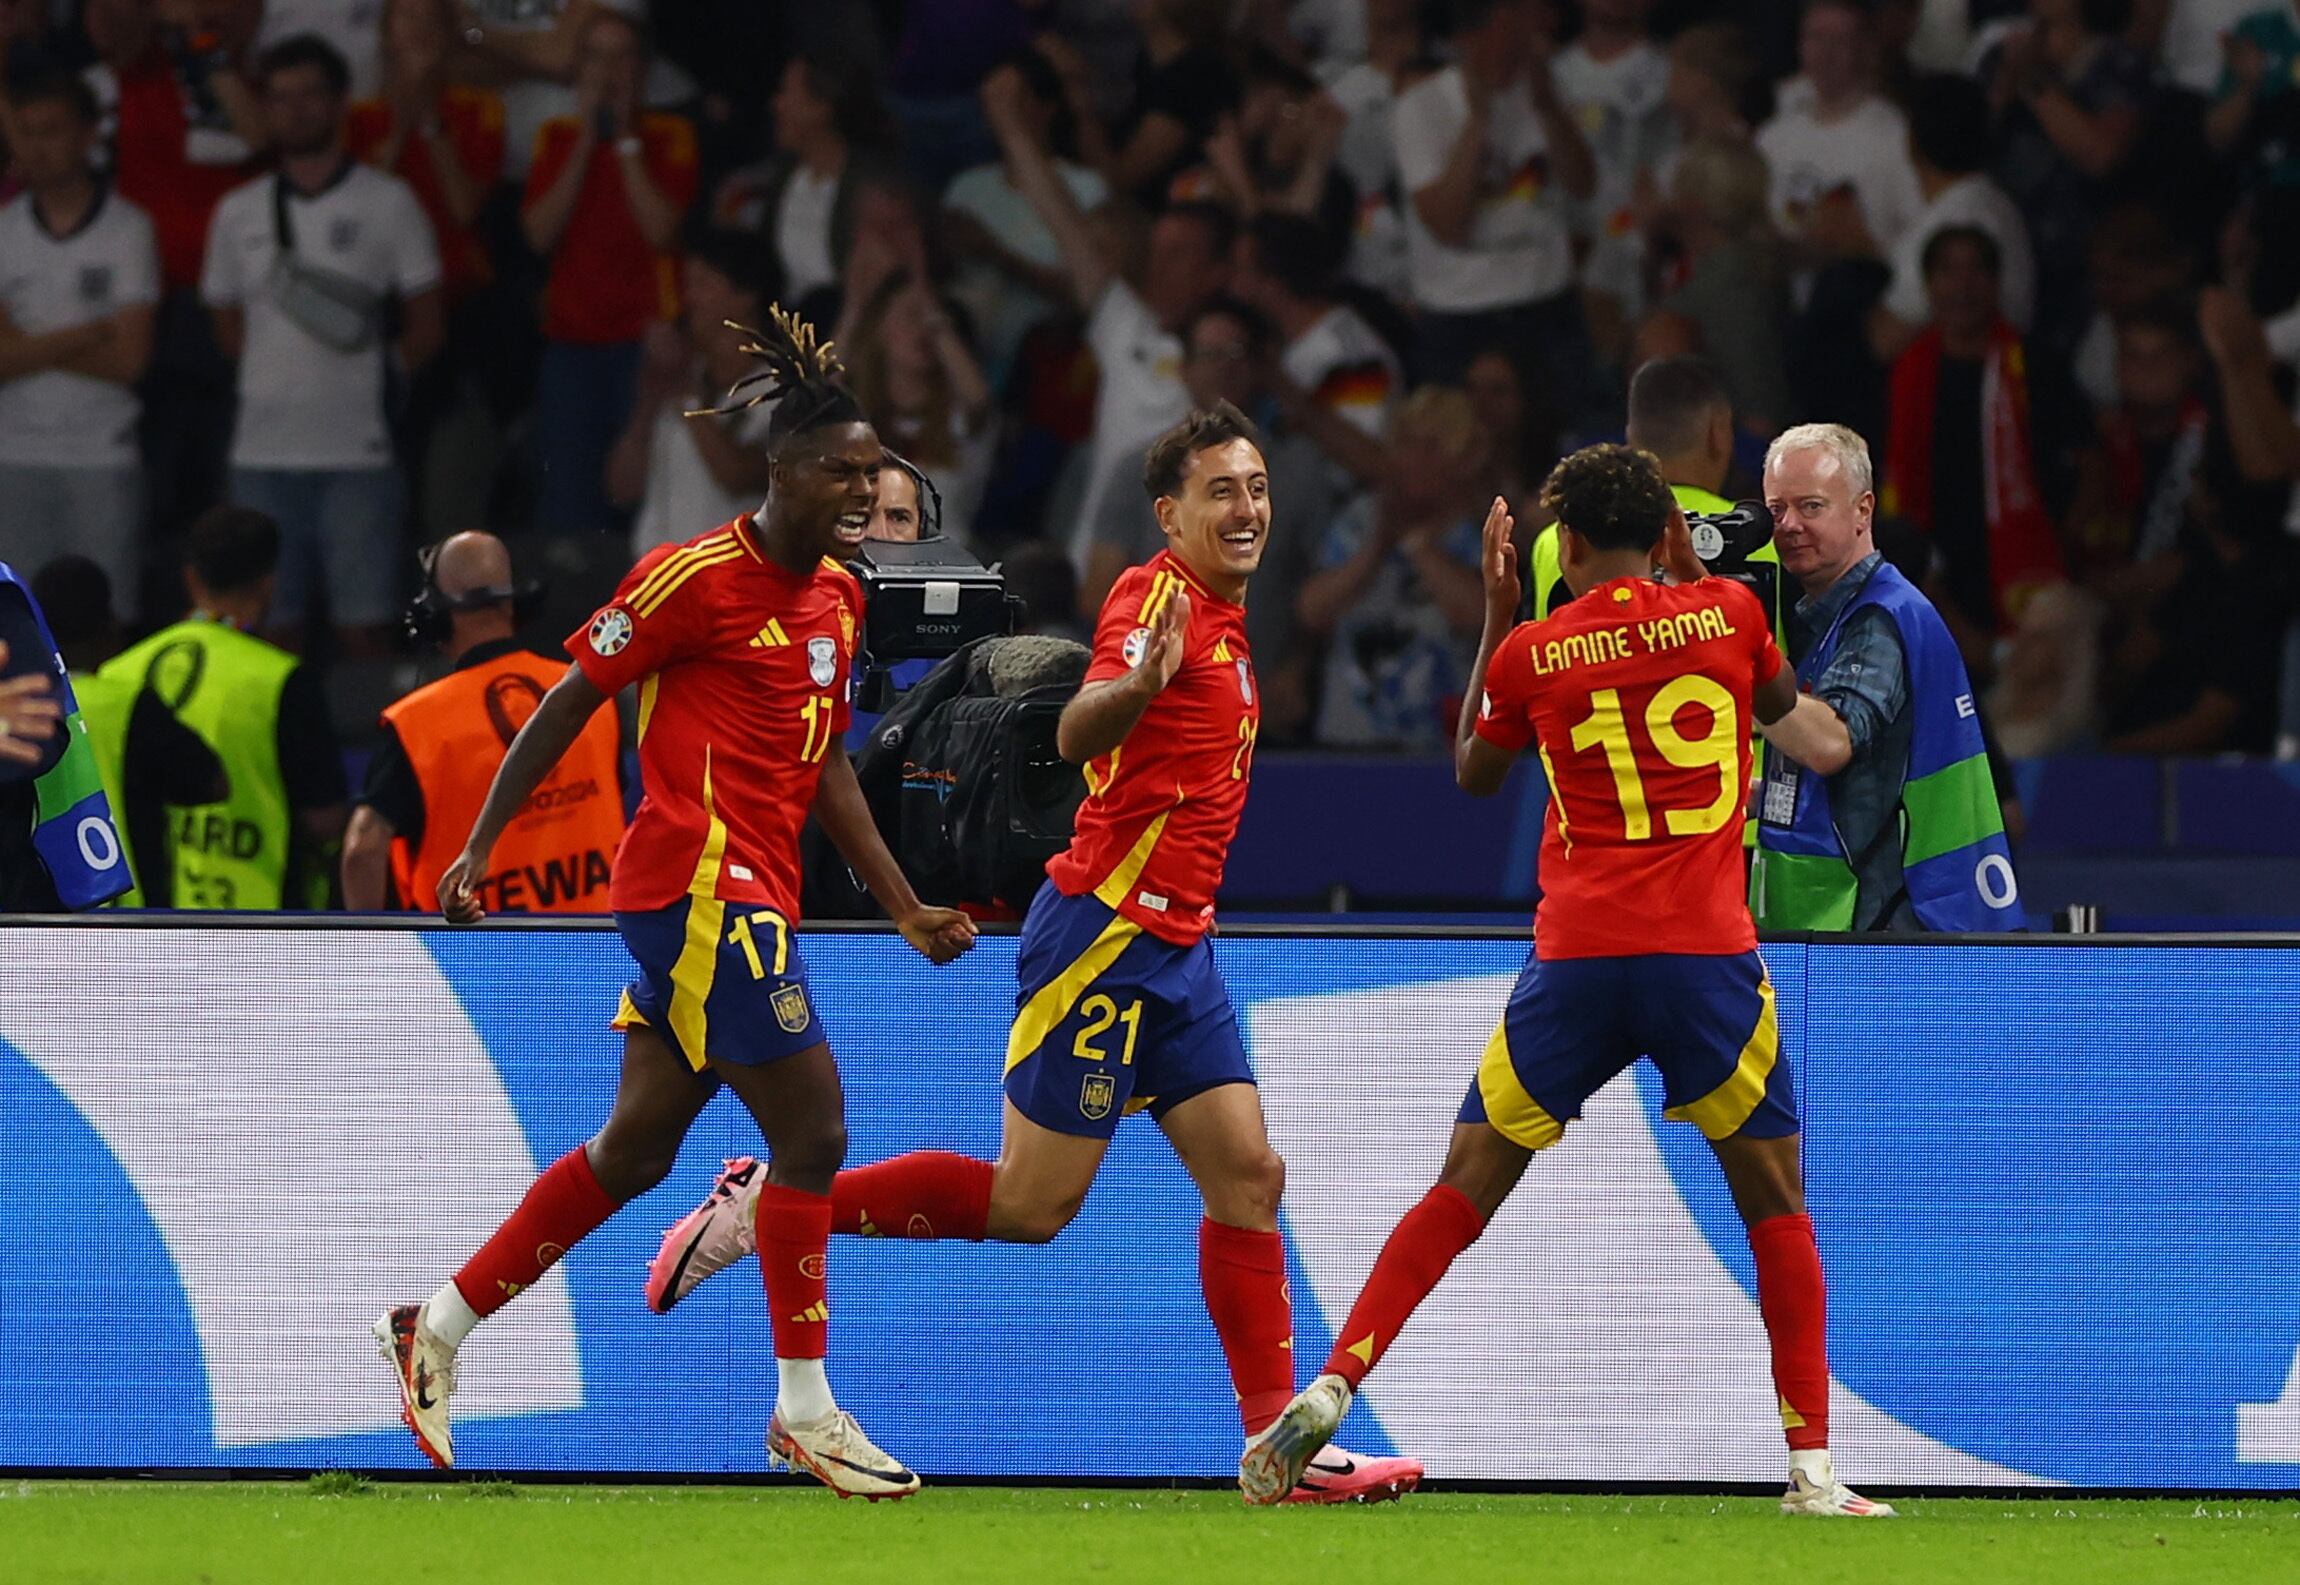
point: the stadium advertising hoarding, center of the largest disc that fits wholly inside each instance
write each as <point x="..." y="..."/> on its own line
<point x="2057" y="1188"/>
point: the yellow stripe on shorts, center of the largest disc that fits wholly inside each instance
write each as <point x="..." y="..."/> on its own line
<point x="1721" y="1112"/>
<point x="1058" y="996"/>
<point x="1515" y="1115"/>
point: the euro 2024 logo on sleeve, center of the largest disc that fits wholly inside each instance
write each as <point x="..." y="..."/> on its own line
<point x="611" y="631"/>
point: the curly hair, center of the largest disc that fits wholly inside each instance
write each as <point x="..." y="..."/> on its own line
<point x="799" y="375"/>
<point x="1615" y="497"/>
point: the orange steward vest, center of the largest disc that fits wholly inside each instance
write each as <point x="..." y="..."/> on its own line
<point x="554" y="855"/>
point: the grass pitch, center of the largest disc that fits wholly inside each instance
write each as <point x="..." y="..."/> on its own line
<point x="340" y="1530"/>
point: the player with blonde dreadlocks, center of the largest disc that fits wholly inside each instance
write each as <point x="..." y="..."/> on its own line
<point x="740" y="642"/>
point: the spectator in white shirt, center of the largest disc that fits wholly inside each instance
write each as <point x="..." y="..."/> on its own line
<point x="1010" y="276"/>
<point x="79" y="278"/>
<point x="1616" y="80"/>
<point x="831" y="126"/>
<point x="1949" y="146"/>
<point x="1491" y="161"/>
<point x="1843" y="186"/>
<point x="301" y="266"/>
<point x="686" y="474"/>
<point x="1135" y="334"/>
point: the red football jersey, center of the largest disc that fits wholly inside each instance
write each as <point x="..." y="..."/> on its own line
<point x="1637" y="697"/>
<point x="742" y="673"/>
<point x="1163" y="805"/>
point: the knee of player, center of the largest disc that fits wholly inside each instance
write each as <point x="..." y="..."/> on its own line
<point x="818" y="1150"/>
<point x="1039" y="1223"/>
<point x="1263" y="1182"/>
<point x="627" y="1168"/>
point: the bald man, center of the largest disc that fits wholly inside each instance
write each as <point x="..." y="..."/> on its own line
<point x="443" y="742"/>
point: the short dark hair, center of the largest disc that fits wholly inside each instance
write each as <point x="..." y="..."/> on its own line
<point x="1221" y="226"/>
<point x="1467" y="16"/>
<point x="1949" y="122"/>
<point x="1169" y="459"/>
<point x="1670" y="400"/>
<point x="1294" y="251"/>
<point x="75" y="595"/>
<point x="1612" y="496"/>
<point x="1042" y="576"/>
<point x="2104" y="18"/>
<point x="232" y="548"/>
<point x="849" y="83"/>
<point x="58" y="87"/>
<point x="1259" y="332"/>
<point x="1948" y="237"/>
<point x="306" y="49"/>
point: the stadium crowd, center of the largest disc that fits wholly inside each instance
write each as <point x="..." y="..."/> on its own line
<point x="386" y="270"/>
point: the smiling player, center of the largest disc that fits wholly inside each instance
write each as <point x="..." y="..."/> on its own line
<point x="1120" y="1006"/>
<point x="740" y="642"/>
<point x="1637" y="696"/>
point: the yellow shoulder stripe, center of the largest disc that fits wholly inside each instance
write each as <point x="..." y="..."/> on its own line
<point x="648" y="604"/>
<point x="670" y="565"/>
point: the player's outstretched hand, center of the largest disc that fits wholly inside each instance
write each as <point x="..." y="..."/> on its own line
<point x="1499" y="564"/>
<point x="459" y="889"/>
<point x="1162" y="652"/>
<point x="29" y="711"/>
<point x="1678" y="557"/>
<point x="941" y="935"/>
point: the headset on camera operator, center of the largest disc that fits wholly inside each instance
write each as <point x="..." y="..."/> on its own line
<point x="443" y="742"/>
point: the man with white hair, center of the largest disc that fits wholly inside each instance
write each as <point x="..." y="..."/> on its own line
<point x="1878" y="813"/>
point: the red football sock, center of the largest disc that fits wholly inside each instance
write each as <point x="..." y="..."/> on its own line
<point x="558" y="1209"/>
<point x="794" y="1235"/>
<point x="1420" y="1250"/>
<point x="926" y="1194"/>
<point x="1795" y="1304"/>
<point x="1243" y="1274"/>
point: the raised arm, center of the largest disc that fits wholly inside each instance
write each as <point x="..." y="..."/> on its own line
<point x="1098" y="719"/>
<point x="1091" y="269"/>
<point x="1479" y="766"/>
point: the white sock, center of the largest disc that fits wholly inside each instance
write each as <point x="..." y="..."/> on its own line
<point x="804" y="1392"/>
<point x="448" y="1316"/>
<point x="1814" y="1463"/>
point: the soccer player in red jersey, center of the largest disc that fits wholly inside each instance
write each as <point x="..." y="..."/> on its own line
<point x="740" y="642"/>
<point x="1637" y="695"/>
<point x="1120" y="1007"/>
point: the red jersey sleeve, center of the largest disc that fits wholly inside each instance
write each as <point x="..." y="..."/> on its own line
<point x="1503" y="716"/>
<point x="1121" y="616"/>
<point x="654" y="620"/>
<point x="554" y="142"/>
<point x="477" y="128"/>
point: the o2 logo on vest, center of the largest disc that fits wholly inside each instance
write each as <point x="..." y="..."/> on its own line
<point x="611" y="630"/>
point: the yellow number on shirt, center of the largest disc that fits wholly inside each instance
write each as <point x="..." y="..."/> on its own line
<point x="1248" y="730"/>
<point x="1606" y="729"/>
<point x="742" y="936"/>
<point x="1718" y="749"/>
<point x="1101" y="1012"/>
<point x="816" y="712"/>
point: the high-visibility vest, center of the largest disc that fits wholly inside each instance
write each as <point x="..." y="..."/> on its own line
<point x="226" y="686"/>
<point x="555" y="854"/>
<point x="106" y="705"/>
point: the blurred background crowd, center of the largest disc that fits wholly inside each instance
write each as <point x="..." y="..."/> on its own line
<point x="389" y="269"/>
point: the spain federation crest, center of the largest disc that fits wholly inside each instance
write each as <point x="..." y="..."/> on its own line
<point x="1097" y="1095"/>
<point x="791" y="1008"/>
<point x="822" y="660"/>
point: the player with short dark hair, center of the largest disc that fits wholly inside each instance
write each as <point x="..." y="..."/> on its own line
<point x="1637" y="695"/>
<point x="1120" y="1007"/>
<point x="741" y="641"/>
